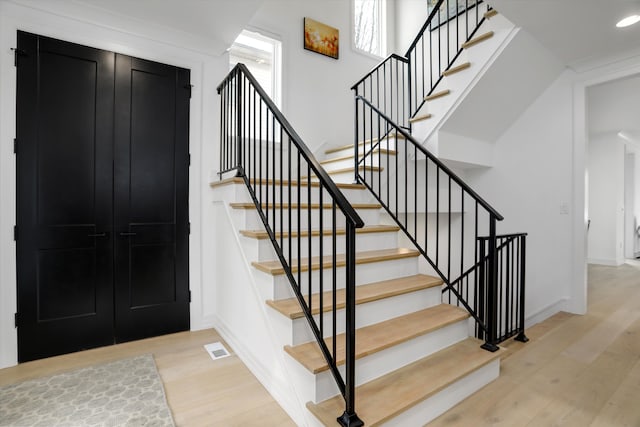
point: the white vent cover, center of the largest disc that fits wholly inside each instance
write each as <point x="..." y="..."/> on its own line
<point x="216" y="350"/>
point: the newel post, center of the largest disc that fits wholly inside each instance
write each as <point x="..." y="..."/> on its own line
<point x="491" y="338"/>
<point x="349" y="418"/>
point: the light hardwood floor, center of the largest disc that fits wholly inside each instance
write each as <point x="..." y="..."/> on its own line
<point x="575" y="371"/>
<point x="200" y="391"/>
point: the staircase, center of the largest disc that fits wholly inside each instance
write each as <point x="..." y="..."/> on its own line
<point x="414" y="356"/>
<point x="320" y="249"/>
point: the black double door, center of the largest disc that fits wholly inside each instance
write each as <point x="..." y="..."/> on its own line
<point x="102" y="197"/>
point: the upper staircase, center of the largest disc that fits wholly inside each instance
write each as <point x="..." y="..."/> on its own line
<point x="326" y="240"/>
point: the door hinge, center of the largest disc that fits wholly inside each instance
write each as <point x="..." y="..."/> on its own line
<point x="189" y="88"/>
<point x="189" y="295"/>
<point x="189" y="228"/>
<point x="15" y="145"/>
<point x="15" y="319"/>
<point x="15" y="233"/>
<point x="189" y="159"/>
<point x="16" y="53"/>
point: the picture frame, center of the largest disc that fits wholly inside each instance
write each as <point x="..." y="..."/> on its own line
<point x="321" y="38"/>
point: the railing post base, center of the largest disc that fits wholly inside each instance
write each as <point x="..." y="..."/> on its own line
<point x="350" y="420"/>
<point x="490" y="347"/>
<point x="521" y="337"/>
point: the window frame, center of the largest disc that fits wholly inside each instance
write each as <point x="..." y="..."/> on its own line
<point x="383" y="35"/>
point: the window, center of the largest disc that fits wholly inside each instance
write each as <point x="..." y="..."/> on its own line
<point x="261" y="55"/>
<point x="369" y="23"/>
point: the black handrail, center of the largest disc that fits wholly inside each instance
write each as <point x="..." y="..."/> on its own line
<point x="251" y="128"/>
<point x="431" y="157"/>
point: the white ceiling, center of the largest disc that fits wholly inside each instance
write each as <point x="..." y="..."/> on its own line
<point x="579" y="32"/>
<point x="211" y="23"/>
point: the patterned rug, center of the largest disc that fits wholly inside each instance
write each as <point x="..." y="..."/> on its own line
<point x="127" y="392"/>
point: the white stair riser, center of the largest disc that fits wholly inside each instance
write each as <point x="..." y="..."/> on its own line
<point x="375" y="160"/>
<point x="265" y="251"/>
<point x="248" y="219"/>
<point x="367" y="314"/>
<point x="386" y="144"/>
<point x="447" y="398"/>
<point x="378" y="364"/>
<point x="277" y="287"/>
<point x="354" y="195"/>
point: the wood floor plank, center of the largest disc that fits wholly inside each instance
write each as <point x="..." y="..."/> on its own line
<point x="540" y="385"/>
<point x="201" y="392"/>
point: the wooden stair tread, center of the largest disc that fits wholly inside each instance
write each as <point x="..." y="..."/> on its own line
<point x="478" y="39"/>
<point x="437" y="95"/>
<point x="380" y="336"/>
<point x="366" y="257"/>
<point x="376" y="151"/>
<point x="420" y="118"/>
<point x="383" y="398"/>
<point x="251" y="205"/>
<point x="262" y="234"/>
<point x="456" y="69"/>
<point x="364" y="293"/>
<point x="239" y="180"/>
<point x="367" y="141"/>
<point x="490" y="13"/>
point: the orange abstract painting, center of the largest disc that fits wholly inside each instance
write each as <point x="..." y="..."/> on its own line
<point x="321" y="38"/>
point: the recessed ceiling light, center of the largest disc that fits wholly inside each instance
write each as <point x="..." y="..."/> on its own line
<point x="629" y="20"/>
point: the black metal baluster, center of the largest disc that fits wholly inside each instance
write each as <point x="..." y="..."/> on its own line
<point x="321" y="256"/>
<point x="523" y="245"/>
<point x="309" y="230"/>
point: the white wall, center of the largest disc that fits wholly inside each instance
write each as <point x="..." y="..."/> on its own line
<point x="317" y="99"/>
<point x="531" y="186"/>
<point x="410" y="17"/>
<point x="106" y="32"/>
<point x="605" y="167"/>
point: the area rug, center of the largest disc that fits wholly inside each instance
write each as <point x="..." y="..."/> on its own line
<point x="127" y="392"/>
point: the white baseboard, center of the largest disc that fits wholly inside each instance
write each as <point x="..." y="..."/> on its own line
<point x="281" y="391"/>
<point x="545" y="312"/>
<point x="602" y="261"/>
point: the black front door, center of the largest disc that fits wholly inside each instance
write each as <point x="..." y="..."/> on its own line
<point x="102" y="209"/>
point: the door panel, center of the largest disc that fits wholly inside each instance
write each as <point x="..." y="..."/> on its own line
<point x="151" y="223"/>
<point x="64" y="187"/>
<point x="102" y="198"/>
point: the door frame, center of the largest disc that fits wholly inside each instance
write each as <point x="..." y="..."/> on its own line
<point x="600" y="73"/>
<point x="89" y="31"/>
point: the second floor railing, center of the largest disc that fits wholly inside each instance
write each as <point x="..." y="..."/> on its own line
<point x="310" y="223"/>
<point x="399" y="85"/>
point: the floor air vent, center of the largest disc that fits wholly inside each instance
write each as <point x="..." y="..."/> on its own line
<point x="216" y="350"/>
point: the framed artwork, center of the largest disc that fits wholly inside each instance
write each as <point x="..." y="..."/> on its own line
<point x="321" y="38"/>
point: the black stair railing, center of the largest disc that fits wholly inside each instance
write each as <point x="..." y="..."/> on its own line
<point x="506" y="307"/>
<point x="409" y="181"/>
<point x="479" y="271"/>
<point x="292" y="193"/>
<point x="399" y="85"/>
